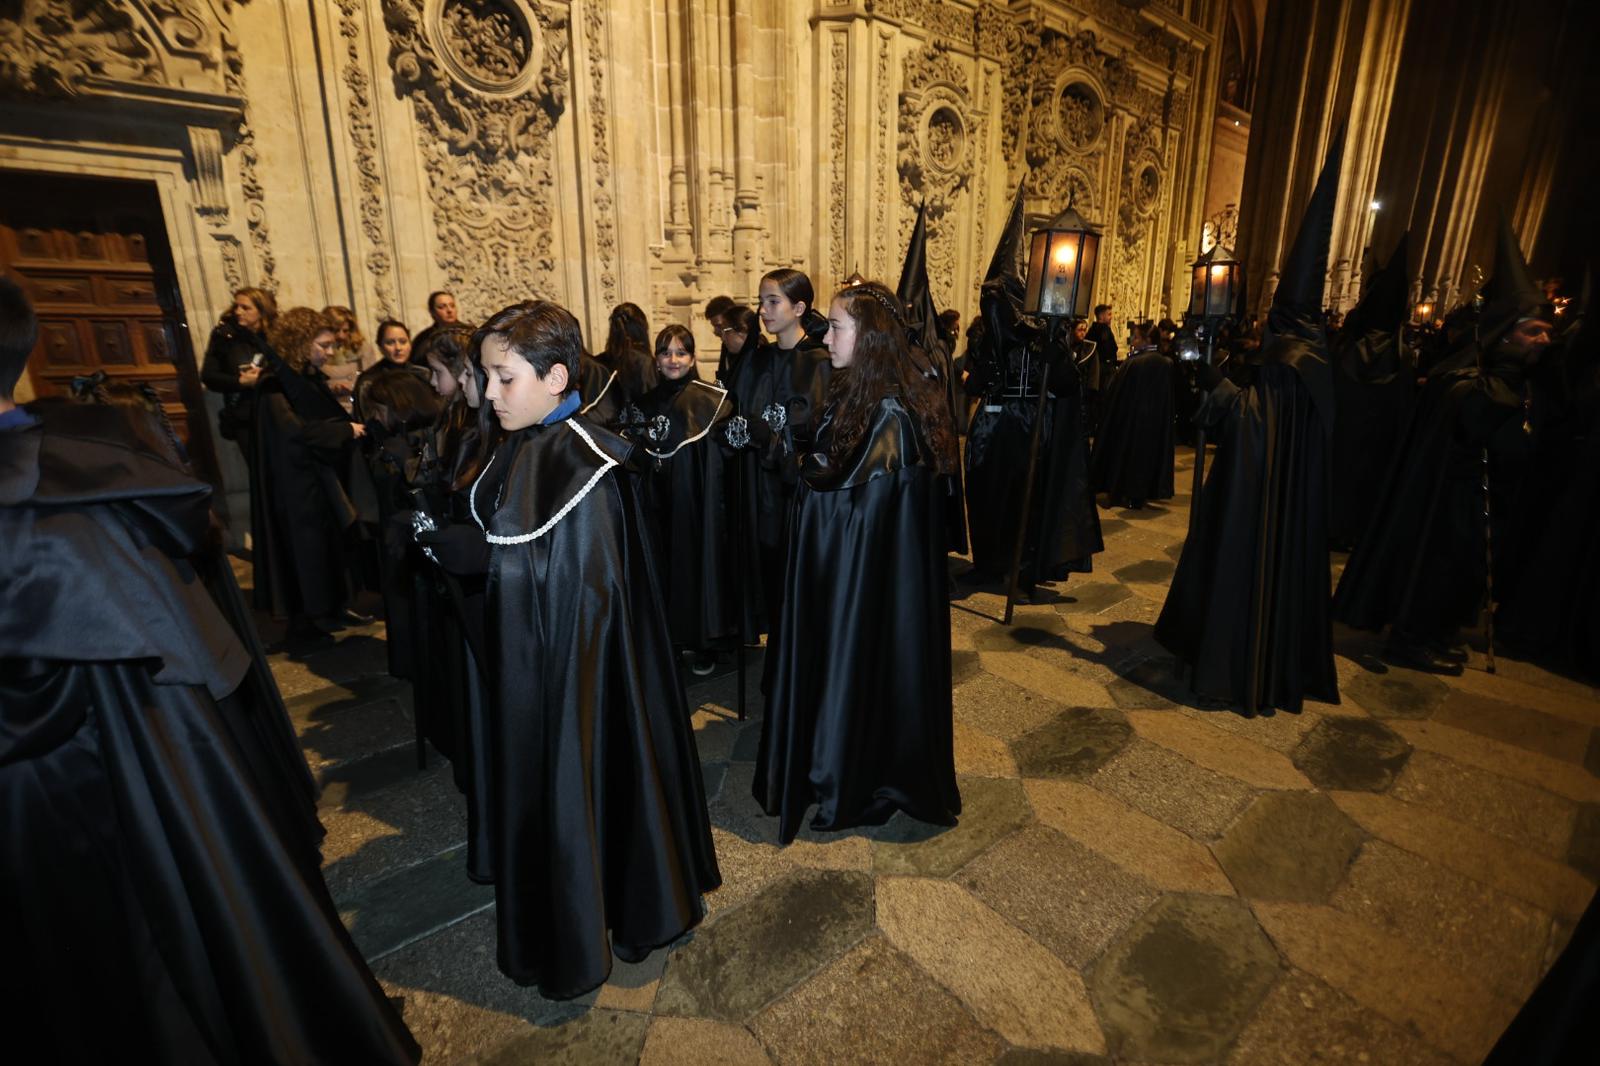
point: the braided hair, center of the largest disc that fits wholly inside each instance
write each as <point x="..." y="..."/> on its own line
<point x="881" y="365"/>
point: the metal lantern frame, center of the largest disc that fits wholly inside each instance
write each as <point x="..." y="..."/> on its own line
<point x="1216" y="282"/>
<point x="1063" y="258"/>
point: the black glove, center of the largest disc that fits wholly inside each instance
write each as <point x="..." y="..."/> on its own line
<point x="1208" y="376"/>
<point x="459" y="547"/>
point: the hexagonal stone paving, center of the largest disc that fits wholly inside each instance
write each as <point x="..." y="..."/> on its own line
<point x="746" y="958"/>
<point x="1289" y="846"/>
<point x="1150" y="684"/>
<point x="1357" y="754"/>
<point x="1148" y="571"/>
<point x="1182" y="982"/>
<point x="991" y="809"/>
<point x="1073" y="744"/>
<point x="1399" y="693"/>
<point x="1092" y="597"/>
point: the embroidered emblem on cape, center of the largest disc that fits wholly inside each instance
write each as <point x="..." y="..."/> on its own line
<point x="658" y="429"/>
<point x="775" y="415"/>
<point x="737" y="433"/>
<point x="722" y="401"/>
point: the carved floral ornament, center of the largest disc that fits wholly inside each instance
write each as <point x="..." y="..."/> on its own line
<point x="58" y="48"/>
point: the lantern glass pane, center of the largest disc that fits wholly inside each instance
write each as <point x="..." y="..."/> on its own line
<point x="1197" y="291"/>
<point x="1219" y="289"/>
<point x="1083" y="281"/>
<point x="1036" y="268"/>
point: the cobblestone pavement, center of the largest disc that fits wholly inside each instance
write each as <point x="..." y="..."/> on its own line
<point x="1135" y="879"/>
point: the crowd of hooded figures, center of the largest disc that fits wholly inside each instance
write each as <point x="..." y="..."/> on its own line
<point x="559" y="536"/>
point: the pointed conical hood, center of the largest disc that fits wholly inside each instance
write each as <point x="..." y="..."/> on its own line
<point x="914" y="291"/>
<point x="1387" y="300"/>
<point x="1510" y="292"/>
<point x="1304" y="273"/>
<point x="1003" y="263"/>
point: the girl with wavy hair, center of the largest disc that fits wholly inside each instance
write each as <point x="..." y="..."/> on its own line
<point x="859" y="713"/>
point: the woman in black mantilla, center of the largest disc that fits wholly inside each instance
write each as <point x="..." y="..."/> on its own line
<point x="780" y="388"/>
<point x="685" y="488"/>
<point x="305" y="443"/>
<point x="859" y="716"/>
<point x="598" y="835"/>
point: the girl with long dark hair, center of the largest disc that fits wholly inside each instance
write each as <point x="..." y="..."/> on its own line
<point x="627" y="351"/>
<point x="859" y="711"/>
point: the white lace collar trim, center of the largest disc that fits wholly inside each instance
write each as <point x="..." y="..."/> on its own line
<point x="606" y="463"/>
<point x="722" y="401"/>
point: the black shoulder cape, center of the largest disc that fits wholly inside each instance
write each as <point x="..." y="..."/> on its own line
<point x="859" y="715"/>
<point x="1373" y="390"/>
<point x="158" y="886"/>
<point x="685" y="487"/>
<point x="599" y="818"/>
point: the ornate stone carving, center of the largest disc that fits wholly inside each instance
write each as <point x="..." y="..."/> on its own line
<point x="605" y="225"/>
<point x="244" y="138"/>
<point x="938" y="128"/>
<point x="1221" y="228"/>
<point x="882" y="255"/>
<point x="369" y="176"/>
<point x="485" y="142"/>
<point x="1080" y="117"/>
<point x="488" y="41"/>
<point x="211" y="194"/>
<point x="838" y="114"/>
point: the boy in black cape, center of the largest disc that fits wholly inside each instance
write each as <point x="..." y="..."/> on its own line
<point x="159" y="879"/>
<point x="600" y="841"/>
<point x="1248" y="607"/>
<point x="1420" y="567"/>
<point x="1374" y="385"/>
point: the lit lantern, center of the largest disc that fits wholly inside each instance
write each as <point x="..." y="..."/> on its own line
<point x="1061" y="267"/>
<point x="1215" y="284"/>
<point x="1425" y="312"/>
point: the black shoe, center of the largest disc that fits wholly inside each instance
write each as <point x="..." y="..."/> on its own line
<point x="703" y="665"/>
<point x="351" y="617"/>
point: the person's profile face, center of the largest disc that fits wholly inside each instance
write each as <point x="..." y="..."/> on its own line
<point x="469" y="387"/>
<point x="1080" y="330"/>
<point x="520" y="397"/>
<point x="1103" y="316"/>
<point x="246" y="313"/>
<point x="778" y="312"/>
<point x="321" y="349"/>
<point x="396" y="345"/>
<point x="444" y="309"/>
<point x="1529" y="338"/>
<point x="674" y="361"/>
<point x="444" y="382"/>
<point x="841" y="337"/>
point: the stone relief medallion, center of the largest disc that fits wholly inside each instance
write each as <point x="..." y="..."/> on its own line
<point x="1147" y="188"/>
<point x="944" y="140"/>
<point x="487" y="45"/>
<point x="1080" y="115"/>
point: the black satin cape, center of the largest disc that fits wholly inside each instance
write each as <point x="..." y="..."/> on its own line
<point x="603" y="393"/>
<point x="1374" y="390"/>
<point x="859" y="716"/>
<point x="796" y="379"/>
<point x="1064" y="526"/>
<point x="1420" y="565"/>
<point x="598" y="819"/>
<point x="155" y="898"/>
<point x="1248" y="608"/>
<point x="685" y="493"/>
<point x="304" y="451"/>
<point x="1133" y="455"/>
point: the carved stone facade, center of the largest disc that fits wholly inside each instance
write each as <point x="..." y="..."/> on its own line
<point x="594" y="151"/>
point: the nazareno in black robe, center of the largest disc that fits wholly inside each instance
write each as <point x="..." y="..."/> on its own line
<point x="859" y="716"/>
<point x="305" y="446"/>
<point x="1373" y="389"/>
<point x="1248" y="608"/>
<point x="1133" y="455"/>
<point x="1420" y="565"/>
<point x="159" y="888"/>
<point x="766" y="381"/>
<point x="598" y="814"/>
<point x="1064" y="526"/>
<point x="685" y="493"/>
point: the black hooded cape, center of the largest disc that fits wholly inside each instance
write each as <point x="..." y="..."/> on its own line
<point x="598" y="814"/>
<point x="685" y="491"/>
<point x="1420" y="565"/>
<point x="159" y="885"/>
<point x="1063" y="526"/>
<point x="1133" y="454"/>
<point x="859" y="715"/>
<point x="1374" y="387"/>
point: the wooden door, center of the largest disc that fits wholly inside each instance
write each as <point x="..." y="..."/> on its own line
<point x="92" y="257"/>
